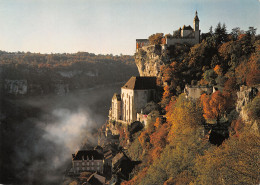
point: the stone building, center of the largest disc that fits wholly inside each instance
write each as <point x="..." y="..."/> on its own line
<point x="195" y="92"/>
<point x="87" y="160"/>
<point x="188" y="35"/>
<point x="135" y="94"/>
<point x="141" y="42"/>
<point x="116" y="107"/>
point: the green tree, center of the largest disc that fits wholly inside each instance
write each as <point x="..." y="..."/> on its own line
<point x="220" y="33"/>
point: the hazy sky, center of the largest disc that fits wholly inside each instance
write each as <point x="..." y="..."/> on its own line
<point x="110" y="26"/>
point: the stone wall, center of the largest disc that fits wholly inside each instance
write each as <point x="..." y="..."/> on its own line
<point x="115" y="108"/>
<point x="87" y="165"/>
<point x="133" y="101"/>
<point x="195" y="92"/>
<point x="127" y="96"/>
<point x="172" y="41"/>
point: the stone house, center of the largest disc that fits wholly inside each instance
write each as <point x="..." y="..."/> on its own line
<point x="87" y="160"/>
<point x="142" y="118"/>
<point x="135" y="94"/>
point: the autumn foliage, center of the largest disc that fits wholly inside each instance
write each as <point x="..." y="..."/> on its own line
<point x="214" y="106"/>
<point x="177" y="150"/>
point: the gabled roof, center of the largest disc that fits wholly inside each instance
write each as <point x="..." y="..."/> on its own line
<point x="87" y="154"/>
<point x="187" y="27"/>
<point x="140" y="83"/>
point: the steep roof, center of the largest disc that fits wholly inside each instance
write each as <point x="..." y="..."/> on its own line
<point x="196" y="18"/>
<point x="87" y="154"/>
<point x="119" y="157"/>
<point x="187" y="27"/>
<point x="96" y="179"/>
<point x="140" y="83"/>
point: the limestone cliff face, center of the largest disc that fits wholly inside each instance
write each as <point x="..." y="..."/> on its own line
<point x="16" y="87"/>
<point x="245" y="96"/>
<point x="149" y="60"/>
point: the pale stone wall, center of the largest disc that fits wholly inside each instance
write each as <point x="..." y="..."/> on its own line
<point x="186" y="33"/>
<point x="142" y="118"/>
<point x="127" y="96"/>
<point x="133" y="101"/>
<point x="173" y="41"/>
<point x="116" y="109"/>
<point x="87" y="165"/>
<point x="195" y="91"/>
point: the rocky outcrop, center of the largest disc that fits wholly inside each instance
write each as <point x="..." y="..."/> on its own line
<point x="16" y="87"/>
<point x="150" y="59"/>
<point x="244" y="97"/>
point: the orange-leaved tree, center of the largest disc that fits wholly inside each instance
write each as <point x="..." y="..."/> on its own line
<point x="214" y="106"/>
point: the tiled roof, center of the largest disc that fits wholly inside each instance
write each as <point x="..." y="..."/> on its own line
<point x="87" y="154"/>
<point x="140" y="83"/>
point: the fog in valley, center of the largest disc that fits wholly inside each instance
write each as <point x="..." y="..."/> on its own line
<point x="39" y="133"/>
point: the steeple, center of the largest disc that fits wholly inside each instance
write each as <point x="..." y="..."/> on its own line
<point x="196" y="18"/>
<point x="196" y="22"/>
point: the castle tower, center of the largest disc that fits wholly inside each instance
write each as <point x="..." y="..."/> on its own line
<point x="196" y="28"/>
<point x="196" y="22"/>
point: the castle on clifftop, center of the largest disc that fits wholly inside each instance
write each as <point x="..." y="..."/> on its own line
<point x="187" y="35"/>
